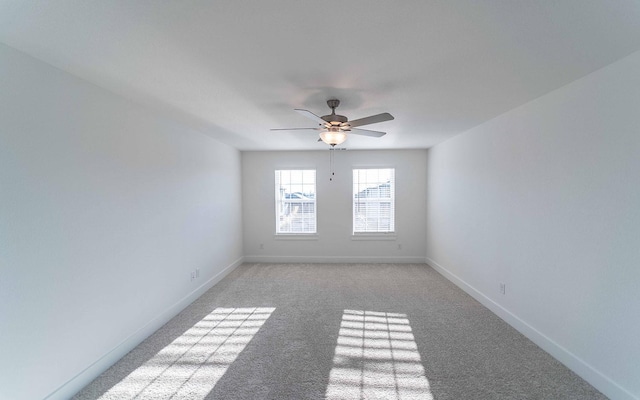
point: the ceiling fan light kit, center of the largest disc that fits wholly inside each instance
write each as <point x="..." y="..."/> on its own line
<point x="334" y="127"/>
<point x="333" y="136"/>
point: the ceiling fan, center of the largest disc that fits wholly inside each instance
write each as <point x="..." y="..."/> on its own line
<point x="333" y="127"/>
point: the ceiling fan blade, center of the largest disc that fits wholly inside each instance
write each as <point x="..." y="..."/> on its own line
<point x="370" y="120"/>
<point x="311" y="115"/>
<point x="294" y="129"/>
<point x="367" y="132"/>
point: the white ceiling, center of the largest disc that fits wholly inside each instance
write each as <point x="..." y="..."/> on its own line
<point x="235" y="69"/>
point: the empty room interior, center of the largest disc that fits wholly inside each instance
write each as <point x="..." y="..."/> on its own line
<point x="327" y="200"/>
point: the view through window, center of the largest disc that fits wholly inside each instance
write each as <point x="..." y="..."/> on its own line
<point x="296" y="201"/>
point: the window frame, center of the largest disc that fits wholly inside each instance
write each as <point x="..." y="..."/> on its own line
<point x="281" y="201"/>
<point x="357" y="188"/>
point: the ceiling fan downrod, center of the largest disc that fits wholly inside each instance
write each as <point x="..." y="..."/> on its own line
<point x="333" y="104"/>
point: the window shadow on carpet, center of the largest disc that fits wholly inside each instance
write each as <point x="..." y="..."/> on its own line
<point x="290" y="358"/>
<point x="191" y="365"/>
<point x="425" y="339"/>
<point x="376" y="356"/>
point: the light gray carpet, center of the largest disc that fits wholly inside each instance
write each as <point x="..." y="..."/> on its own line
<point x="337" y="331"/>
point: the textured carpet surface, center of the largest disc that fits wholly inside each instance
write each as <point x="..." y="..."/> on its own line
<point x="337" y="331"/>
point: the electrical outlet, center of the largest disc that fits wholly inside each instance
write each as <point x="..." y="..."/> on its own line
<point x="503" y="288"/>
<point x="261" y="246"/>
<point x="193" y="275"/>
<point x="399" y="246"/>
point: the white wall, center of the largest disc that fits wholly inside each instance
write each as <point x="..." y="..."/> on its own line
<point x="546" y="199"/>
<point x="334" y="239"/>
<point x="105" y="208"/>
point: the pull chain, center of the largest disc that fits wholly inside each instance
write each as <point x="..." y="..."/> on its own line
<point x="331" y="162"/>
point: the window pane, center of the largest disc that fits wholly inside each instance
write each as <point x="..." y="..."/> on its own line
<point x="296" y="176"/>
<point x="309" y="176"/>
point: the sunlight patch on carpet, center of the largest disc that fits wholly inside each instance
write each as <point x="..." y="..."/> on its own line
<point x="191" y="365"/>
<point x="376" y="357"/>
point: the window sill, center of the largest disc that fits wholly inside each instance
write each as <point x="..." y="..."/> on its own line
<point x="296" y="236"/>
<point x="374" y="236"/>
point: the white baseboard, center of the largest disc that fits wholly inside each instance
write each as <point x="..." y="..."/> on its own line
<point x="84" y="377"/>
<point x="601" y="382"/>
<point x="333" y="259"/>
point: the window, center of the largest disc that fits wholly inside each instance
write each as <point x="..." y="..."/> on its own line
<point x="296" y="201"/>
<point x="373" y="200"/>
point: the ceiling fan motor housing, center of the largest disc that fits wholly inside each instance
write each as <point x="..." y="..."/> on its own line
<point x="333" y="118"/>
